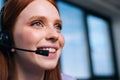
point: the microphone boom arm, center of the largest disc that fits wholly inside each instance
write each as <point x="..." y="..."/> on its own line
<point x="41" y="52"/>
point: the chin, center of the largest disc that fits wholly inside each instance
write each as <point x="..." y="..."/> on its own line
<point x="50" y="67"/>
<point x="48" y="64"/>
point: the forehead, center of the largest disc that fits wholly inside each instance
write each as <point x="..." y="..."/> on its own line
<point x="40" y="8"/>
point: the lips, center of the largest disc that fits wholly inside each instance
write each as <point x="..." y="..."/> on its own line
<point x="50" y="49"/>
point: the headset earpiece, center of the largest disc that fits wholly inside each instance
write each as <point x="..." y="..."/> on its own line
<point x="5" y="36"/>
<point x="5" y="41"/>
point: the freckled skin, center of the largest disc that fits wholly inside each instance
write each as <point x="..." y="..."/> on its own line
<point x="29" y="36"/>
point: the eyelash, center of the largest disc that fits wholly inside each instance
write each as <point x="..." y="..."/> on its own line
<point x="39" y="23"/>
<point x="58" y="26"/>
<point x="36" y="23"/>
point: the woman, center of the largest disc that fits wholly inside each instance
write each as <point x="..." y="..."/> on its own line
<point x="34" y="24"/>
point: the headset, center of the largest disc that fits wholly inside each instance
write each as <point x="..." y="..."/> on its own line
<point x="5" y="37"/>
<point x="6" y="40"/>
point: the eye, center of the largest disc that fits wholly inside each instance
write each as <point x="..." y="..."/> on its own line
<point x="58" y="26"/>
<point x="37" y="23"/>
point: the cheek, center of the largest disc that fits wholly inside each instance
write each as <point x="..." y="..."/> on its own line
<point x="62" y="41"/>
<point x="26" y="39"/>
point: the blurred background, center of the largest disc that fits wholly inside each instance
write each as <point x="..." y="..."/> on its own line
<point x="92" y="38"/>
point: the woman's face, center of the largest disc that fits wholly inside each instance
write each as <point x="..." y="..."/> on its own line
<point x="38" y="27"/>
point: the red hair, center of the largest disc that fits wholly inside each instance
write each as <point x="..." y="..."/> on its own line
<point x="7" y="66"/>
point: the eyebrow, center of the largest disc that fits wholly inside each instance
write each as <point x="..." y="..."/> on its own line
<point x="58" y="21"/>
<point x="44" y="19"/>
<point x="37" y="17"/>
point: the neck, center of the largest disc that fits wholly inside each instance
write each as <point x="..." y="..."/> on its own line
<point x="28" y="72"/>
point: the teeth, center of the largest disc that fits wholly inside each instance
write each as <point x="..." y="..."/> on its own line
<point x="52" y="50"/>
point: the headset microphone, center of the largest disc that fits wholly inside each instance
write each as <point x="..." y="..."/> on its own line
<point x="41" y="52"/>
<point x="6" y="44"/>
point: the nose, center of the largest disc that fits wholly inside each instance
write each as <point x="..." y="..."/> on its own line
<point x="52" y="35"/>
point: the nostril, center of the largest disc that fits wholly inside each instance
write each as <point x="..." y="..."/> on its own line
<point x="53" y="37"/>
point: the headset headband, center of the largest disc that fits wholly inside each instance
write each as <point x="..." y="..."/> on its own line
<point x="1" y="18"/>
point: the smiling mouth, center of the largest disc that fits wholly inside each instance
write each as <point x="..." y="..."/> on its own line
<point x="51" y="50"/>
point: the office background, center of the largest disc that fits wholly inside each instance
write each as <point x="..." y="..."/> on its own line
<point x="91" y="30"/>
<point x="92" y="39"/>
